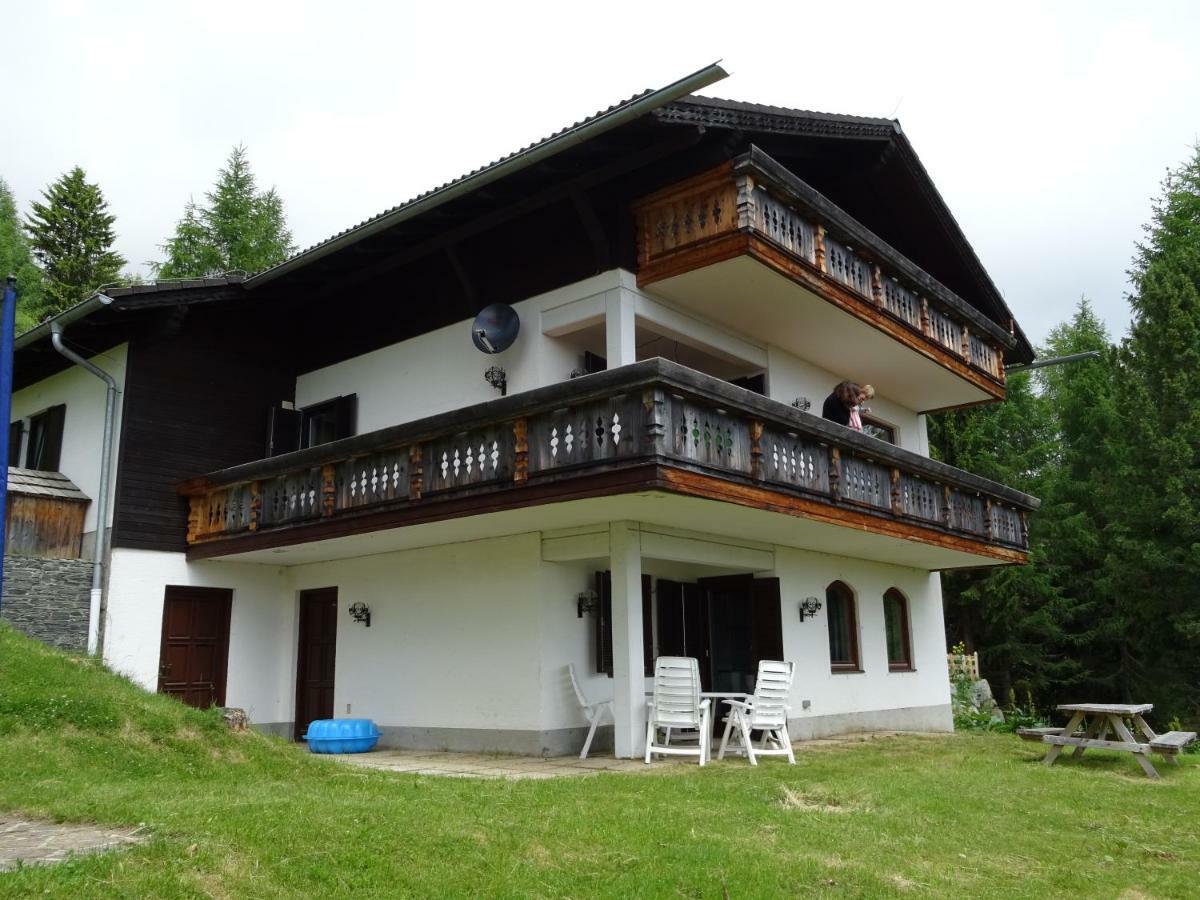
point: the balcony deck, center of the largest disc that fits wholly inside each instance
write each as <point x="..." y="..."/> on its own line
<point x="651" y="426"/>
<point x="742" y="231"/>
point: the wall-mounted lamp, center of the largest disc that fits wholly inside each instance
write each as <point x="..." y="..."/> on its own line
<point x="497" y="378"/>
<point x="802" y="403"/>
<point x="809" y="606"/>
<point x="586" y="602"/>
<point x="360" y="612"/>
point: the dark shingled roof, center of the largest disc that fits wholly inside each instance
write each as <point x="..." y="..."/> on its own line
<point x="33" y="483"/>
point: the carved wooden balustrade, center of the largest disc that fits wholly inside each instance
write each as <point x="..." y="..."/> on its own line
<point x="671" y="427"/>
<point x="755" y="206"/>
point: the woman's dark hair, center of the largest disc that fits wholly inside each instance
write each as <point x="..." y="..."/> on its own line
<point x="847" y="392"/>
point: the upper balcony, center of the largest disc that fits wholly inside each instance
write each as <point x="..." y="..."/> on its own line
<point x="612" y="446"/>
<point x="750" y="245"/>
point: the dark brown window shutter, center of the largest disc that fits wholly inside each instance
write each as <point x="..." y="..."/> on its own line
<point x="670" y="619"/>
<point x="283" y="430"/>
<point x="346" y="410"/>
<point x="647" y="626"/>
<point x="768" y="622"/>
<point x="45" y="439"/>
<point x="604" y="635"/>
<point x="16" y="430"/>
<point x="604" y="639"/>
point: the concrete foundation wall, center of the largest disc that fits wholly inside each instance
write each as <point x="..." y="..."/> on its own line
<point x="47" y="599"/>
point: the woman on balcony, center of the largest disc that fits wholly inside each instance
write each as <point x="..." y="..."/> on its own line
<point x="838" y="405"/>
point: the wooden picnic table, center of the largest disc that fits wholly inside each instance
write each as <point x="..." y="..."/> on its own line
<point x="1089" y="727"/>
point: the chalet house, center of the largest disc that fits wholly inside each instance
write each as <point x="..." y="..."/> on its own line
<point x="328" y="502"/>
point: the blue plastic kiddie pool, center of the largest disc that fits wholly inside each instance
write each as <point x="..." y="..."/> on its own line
<point x="342" y="735"/>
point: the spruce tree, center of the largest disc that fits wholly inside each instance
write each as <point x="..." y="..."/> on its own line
<point x="240" y="228"/>
<point x="1154" y="569"/>
<point x="72" y="235"/>
<point x="17" y="259"/>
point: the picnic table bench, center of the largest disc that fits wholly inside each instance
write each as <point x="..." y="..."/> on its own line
<point x="1089" y="727"/>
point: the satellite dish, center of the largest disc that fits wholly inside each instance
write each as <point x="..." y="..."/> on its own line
<point x="495" y="328"/>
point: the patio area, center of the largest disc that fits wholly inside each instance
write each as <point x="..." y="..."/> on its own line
<point x="494" y="765"/>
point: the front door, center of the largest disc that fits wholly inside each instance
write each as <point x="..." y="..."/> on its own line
<point x="315" y="659"/>
<point x="195" y="645"/>
<point x="727" y="623"/>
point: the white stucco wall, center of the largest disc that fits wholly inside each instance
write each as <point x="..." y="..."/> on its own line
<point x="441" y="370"/>
<point x="453" y="641"/>
<point x="262" y="640"/>
<point x="804" y="574"/>
<point x="479" y="635"/>
<point x="83" y="424"/>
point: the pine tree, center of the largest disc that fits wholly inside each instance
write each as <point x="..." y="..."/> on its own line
<point x="71" y="235"/>
<point x="239" y="228"/>
<point x="1006" y="614"/>
<point x="1154" y="568"/>
<point x="17" y="259"/>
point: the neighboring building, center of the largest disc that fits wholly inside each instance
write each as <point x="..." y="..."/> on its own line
<point x="692" y="278"/>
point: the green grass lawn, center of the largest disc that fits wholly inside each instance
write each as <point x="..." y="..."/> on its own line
<point x="245" y="816"/>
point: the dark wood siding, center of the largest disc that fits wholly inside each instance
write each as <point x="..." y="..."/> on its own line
<point x="196" y="399"/>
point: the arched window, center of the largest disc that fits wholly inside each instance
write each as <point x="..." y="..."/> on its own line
<point x="895" y="621"/>
<point x="843" y="628"/>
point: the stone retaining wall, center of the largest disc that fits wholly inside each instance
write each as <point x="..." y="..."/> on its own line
<point x="47" y="599"/>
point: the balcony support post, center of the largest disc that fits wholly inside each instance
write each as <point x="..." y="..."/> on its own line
<point x="619" y="327"/>
<point x="756" y="433"/>
<point x="416" y="471"/>
<point x="654" y="402"/>
<point x="819" y="247"/>
<point x="835" y="472"/>
<point x="629" y="683"/>
<point x="897" y="494"/>
<point x="520" y="450"/>
<point x="328" y="490"/>
<point x="255" y="504"/>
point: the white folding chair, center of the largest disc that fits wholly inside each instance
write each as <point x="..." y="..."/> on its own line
<point x="677" y="705"/>
<point x="766" y="711"/>
<point x="591" y="711"/>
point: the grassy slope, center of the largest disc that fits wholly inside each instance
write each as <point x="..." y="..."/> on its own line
<point x="244" y="816"/>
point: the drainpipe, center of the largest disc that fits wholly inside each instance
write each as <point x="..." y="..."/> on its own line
<point x="110" y="405"/>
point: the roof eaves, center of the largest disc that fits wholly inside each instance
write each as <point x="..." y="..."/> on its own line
<point x="718" y="112"/>
<point x="605" y="120"/>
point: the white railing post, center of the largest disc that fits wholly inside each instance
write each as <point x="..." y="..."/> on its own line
<point x="629" y="682"/>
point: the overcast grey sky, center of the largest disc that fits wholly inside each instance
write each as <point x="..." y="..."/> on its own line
<point x="1047" y="127"/>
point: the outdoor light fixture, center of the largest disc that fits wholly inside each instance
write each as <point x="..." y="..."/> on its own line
<point x="497" y="378"/>
<point x="360" y="612"/>
<point x="802" y="403"/>
<point x="586" y="602"/>
<point x="809" y="606"/>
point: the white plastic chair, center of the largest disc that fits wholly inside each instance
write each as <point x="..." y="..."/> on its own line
<point x="591" y="711"/>
<point x="677" y="705"/>
<point x="766" y="711"/>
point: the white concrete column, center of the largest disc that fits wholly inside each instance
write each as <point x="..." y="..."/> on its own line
<point x="629" y="682"/>
<point x="620" y="332"/>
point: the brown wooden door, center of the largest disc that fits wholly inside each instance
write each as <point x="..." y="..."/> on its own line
<point x="744" y="626"/>
<point x="195" y="645"/>
<point x="316" y="656"/>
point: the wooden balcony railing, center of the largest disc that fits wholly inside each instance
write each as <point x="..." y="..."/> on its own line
<point x="651" y="425"/>
<point x="696" y="223"/>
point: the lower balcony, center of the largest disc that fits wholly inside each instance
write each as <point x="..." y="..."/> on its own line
<point x="653" y="441"/>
